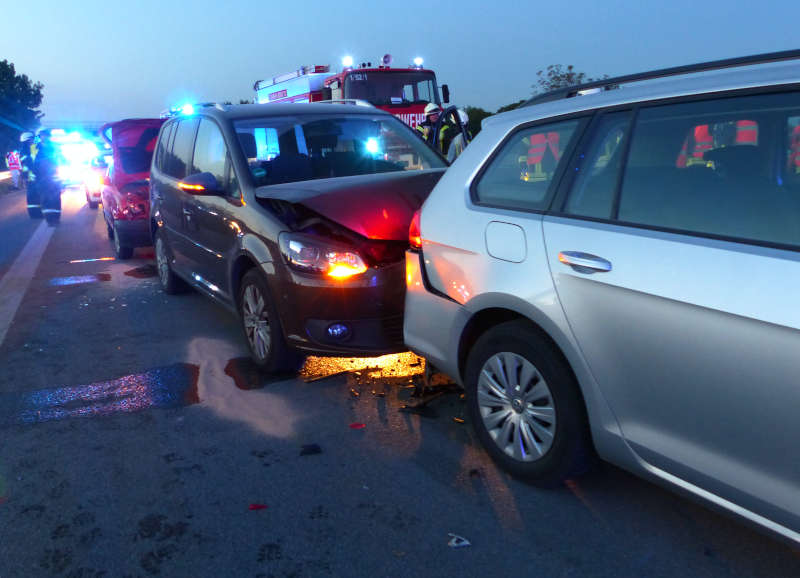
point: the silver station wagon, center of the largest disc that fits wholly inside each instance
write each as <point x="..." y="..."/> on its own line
<point x="609" y="271"/>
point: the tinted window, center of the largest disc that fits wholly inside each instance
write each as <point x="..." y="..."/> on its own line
<point x="163" y="146"/>
<point x="289" y="149"/>
<point x="597" y="171"/>
<point x="210" y="152"/>
<point x="715" y="167"/>
<point x="179" y="158"/>
<point x="520" y="176"/>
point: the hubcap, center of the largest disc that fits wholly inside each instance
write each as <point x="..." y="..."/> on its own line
<point x="516" y="406"/>
<point x="256" y="323"/>
<point x="161" y="261"/>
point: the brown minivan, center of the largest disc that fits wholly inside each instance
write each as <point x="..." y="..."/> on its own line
<point x="295" y="216"/>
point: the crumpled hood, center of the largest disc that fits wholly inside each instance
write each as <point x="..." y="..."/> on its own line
<point x="378" y="206"/>
<point x="132" y="143"/>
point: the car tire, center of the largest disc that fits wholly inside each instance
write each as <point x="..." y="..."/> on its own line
<point x="525" y="405"/>
<point x="262" y="327"/>
<point x="122" y="252"/>
<point x="170" y="283"/>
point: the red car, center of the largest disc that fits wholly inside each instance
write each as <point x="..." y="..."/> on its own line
<point x="125" y="194"/>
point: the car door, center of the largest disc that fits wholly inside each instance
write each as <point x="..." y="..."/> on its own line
<point x="676" y="280"/>
<point x="176" y="164"/>
<point x="212" y="230"/>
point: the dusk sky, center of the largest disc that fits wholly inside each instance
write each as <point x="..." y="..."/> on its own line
<point x="109" y="60"/>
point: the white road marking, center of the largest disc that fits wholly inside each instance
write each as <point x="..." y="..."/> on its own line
<point x="14" y="283"/>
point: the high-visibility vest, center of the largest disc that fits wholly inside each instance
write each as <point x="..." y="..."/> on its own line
<point x="12" y="160"/>
<point x="703" y="141"/>
<point x="539" y="143"/>
<point x="746" y="132"/>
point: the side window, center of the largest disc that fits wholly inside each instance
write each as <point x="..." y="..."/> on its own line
<point x="210" y="152"/>
<point x="163" y="146"/>
<point x="180" y="157"/>
<point x="597" y="172"/>
<point x="714" y="167"/>
<point x="521" y="174"/>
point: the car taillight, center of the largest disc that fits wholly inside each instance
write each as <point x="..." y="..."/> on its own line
<point x="414" y="234"/>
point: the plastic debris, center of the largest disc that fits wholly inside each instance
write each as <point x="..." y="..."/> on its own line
<point x="310" y="450"/>
<point x="358" y="425"/>
<point x="458" y="420"/>
<point x="257" y="507"/>
<point x="457" y="541"/>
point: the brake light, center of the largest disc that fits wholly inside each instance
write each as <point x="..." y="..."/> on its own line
<point x="414" y="234"/>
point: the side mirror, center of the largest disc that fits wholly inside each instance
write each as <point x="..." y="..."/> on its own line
<point x="201" y="184"/>
<point x="446" y="94"/>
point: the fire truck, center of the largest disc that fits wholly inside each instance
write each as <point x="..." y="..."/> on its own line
<point x="403" y="92"/>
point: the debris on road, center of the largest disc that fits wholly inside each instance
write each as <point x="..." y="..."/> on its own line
<point x="257" y="507"/>
<point x="457" y="541"/>
<point x="358" y="425"/>
<point x="459" y="420"/>
<point x="310" y="450"/>
<point x="354" y="393"/>
<point x="378" y="393"/>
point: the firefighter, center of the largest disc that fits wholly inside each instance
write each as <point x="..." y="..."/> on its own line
<point x="459" y="138"/>
<point x="45" y="169"/>
<point x="12" y="162"/>
<point x="425" y="128"/>
<point x="27" y="154"/>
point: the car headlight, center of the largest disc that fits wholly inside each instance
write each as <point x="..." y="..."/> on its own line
<point x="321" y="257"/>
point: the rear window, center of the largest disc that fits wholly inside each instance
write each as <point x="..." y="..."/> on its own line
<point x="521" y="175"/>
<point x="290" y="149"/>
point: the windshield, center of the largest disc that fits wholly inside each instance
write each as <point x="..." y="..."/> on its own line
<point x="384" y="88"/>
<point x="290" y="149"/>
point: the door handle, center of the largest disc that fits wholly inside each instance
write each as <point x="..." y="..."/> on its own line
<point x="584" y="262"/>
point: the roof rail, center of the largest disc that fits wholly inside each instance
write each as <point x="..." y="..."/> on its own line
<point x="604" y="84"/>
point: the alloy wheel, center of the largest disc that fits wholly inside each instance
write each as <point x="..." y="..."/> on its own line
<point x="256" y="322"/>
<point x="516" y="406"/>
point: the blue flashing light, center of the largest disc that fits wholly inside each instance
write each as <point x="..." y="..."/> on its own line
<point x="187" y="109"/>
<point x="372" y="146"/>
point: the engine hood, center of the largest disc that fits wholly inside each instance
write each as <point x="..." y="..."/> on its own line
<point x="378" y="206"/>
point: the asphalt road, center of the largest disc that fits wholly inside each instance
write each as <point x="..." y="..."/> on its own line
<point x="135" y="440"/>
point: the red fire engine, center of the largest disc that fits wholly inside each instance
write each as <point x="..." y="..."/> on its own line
<point x="403" y="92"/>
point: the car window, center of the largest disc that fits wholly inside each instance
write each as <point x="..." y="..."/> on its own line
<point x="180" y="156"/>
<point x="210" y="152"/>
<point x="597" y="169"/>
<point x="715" y="167"/>
<point x="521" y="174"/>
<point x="290" y="149"/>
<point x="163" y="146"/>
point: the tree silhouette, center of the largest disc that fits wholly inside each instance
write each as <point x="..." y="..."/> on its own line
<point x="19" y="102"/>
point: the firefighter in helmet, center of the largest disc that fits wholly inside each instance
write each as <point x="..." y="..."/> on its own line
<point x="45" y="170"/>
<point x="426" y="127"/>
